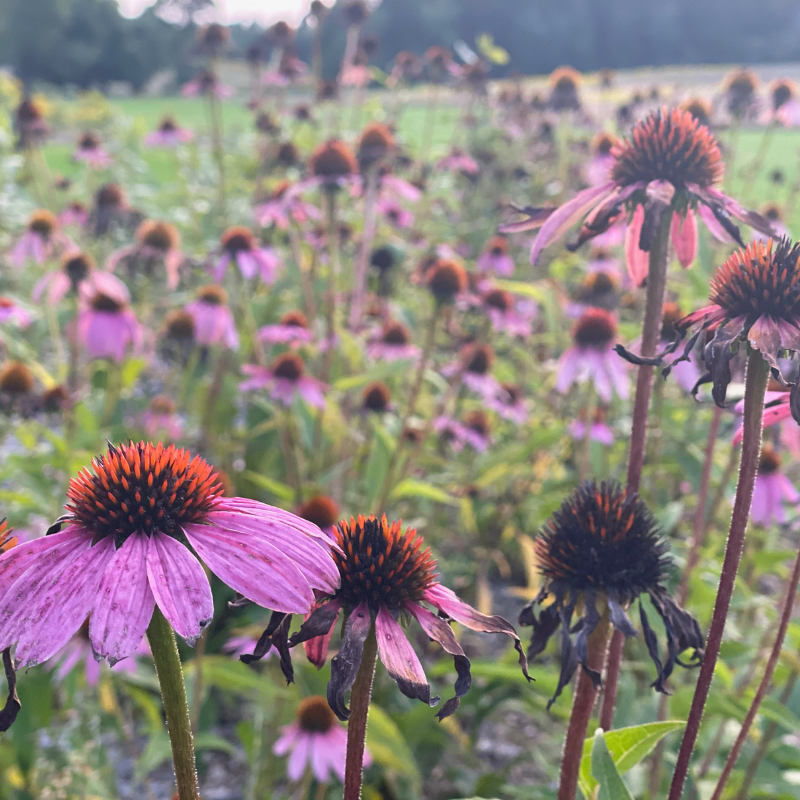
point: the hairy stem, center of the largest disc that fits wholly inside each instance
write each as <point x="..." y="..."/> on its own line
<point x="170" y="677"/>
<point x="357" y="724"/>
<point x="755" y="386"/>
<point x="651" y="332"/>
<point x="582" y="707"/>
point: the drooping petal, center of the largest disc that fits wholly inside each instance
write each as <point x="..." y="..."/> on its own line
<point x="180" y="586"/>
<point x="544" y="626"/>
<point x="316" y="631"/>
<point x="588" y="623"/>
<point x="400" y="660"/>
<point x="713" y="224"/>
<point x="124" y="605"/>
<point x="63" y="605"/>
<point x="765" y="337"/>
<point x="299" y="756"/>
<point x="684" y="237"/>
<point x="536" y="217"/>
<point x="253" y="567"/>
<point x="438" y="630"/>
<point x="636" y="259"/>
<point x="447" y="601"/>
<point x="563" y="218"/>
<point x="345" y="664"/>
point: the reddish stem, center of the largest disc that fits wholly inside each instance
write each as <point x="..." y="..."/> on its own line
<point x="766" y="680"/>
<point x="755" y="386"/>
<point x="651" y="334"/>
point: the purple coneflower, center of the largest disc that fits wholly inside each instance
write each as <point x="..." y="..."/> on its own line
<point x="238" y="244"/>
<point x="130" y="522"/>
<point x="392" y="343"/>
<point x="671" y="164"/>
<point x="331" y="166"/>
<point x="386" y="575"/>
<point x="108" y="328"/>
<point x="213" y="321"/>
<point x="592" y="357"/>
<point x="395" y="214"/>
<point x="785" y="107"/>
<point x="91" y="151"/>
<point x="168" y="134"/>
<point x="286" y="379"/>
<point x="75" y="214"/>
<point x="600" y="431"/>
<point x="161" y="419"/>
<point x="495" y="257"/>
<point x="772" y="490"/>
<point x="316" y="741"/>
<point x="323" y="511"/>
<point x="11" y="311"/>
<point x="508" y="315"/>
<point x="38" y="241"/>
<point x="79" y="275"/>
<point x="740" y="90"/>
<point x="510" y="403"/>
<point x="156" y="242"/>
<point x="291" y="329"/>
<point x="283" y="205"/>
<point x="206" y="83"/>
<point x="458" y="161"/>
<point x="474" y="365"/>
<point x="472" y="430"/>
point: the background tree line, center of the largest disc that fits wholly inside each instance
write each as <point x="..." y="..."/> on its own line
<point x="87" y="42"/>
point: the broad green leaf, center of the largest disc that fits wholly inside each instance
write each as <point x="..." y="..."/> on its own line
<point x="210" y="741"/>
<point x="414" y="488"/>
<point x="233" y="676"/>
<point x="387" y="745"/>
<point x="157" y="751"/>
<point x="280" y="490"/>
<point x="611" y="785"/>
<point x="628" y="746"/>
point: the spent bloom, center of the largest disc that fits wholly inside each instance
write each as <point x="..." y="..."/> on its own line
<point x="755" y="298"/>
<point x="316" y="741"/>
<point x="78" y="274"/>
<point x="157" y="243"/>
<point x="123" y="546"/>
<point x="213" y="321"/>
<point x="292" y="328"/>
<point x="670" y="164"/>
<point x="386" y="577"/>
<point x="598" y="553"/>
<point x="39" y="240"/>
<point x="592" y="357"/>
<point x="239" y="245"/>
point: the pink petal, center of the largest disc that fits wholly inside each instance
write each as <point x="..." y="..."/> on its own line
<point x="564" y="217"/>
<point x="636" y="259"/>
<point x="124" y="605"/>
<point x="63" y="605"/>
<point x="288" y="737"/>
<point x="713" y="224"/>
<point x="399" y="658"/>
<point x="254" y="567"/>
<point x="27" y="571"/>
<point x="180" y="586"/>
<point x="684" y="237"/>
<point x="446" y="600"/>
<point x="299" y="757"/>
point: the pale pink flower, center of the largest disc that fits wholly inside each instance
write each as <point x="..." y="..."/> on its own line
<point x="509" y="315"/>
<point x="286" y="380"/>
<point x="157" y="242"/>
<point x="108" y="328"/>
<point x="458" y="161"/>
<point x="79" y="275"/>
<point x="75" y="214"/>
<point x="392" y="342"/>
<point x="91" y="152"/>
<point x="474" y="366"/>
<point x="168" y="134"/>
<point x="206" y="83"/>
<point x="282" y="205"/>
<point x="495" y="257"/>
<point x="39" y="240"/>
<point x="292" y="329"/>
<point x="213" y="321"/>
<point x="395" y="214"/>
<point x="510" y="404"/>
<point x="115" y="572"/>
<point x="600" y="431"/>
<point x="457" y="434"/>
<point x="772" y="490"/>
<point x="161" y="419"/>
<point x="238" y="245"/>
<point x="11" y="311"/>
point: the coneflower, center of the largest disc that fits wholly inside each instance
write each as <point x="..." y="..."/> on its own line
<point x="157" y="242"/>
<point x="564" y="84"/>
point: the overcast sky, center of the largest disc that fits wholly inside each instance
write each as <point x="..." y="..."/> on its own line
<point x="263" y="11"/>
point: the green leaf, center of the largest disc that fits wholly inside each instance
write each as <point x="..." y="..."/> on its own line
<point x="280" y="490"/>
<point x="387" y="745"/>
<point x="158" y="751"/>
<point x="532" y="290"/>
<point x="210" y="741"/>
<point x="628" y="746"/>
<point x="414" y="488"/>
<point x="612" y="787"/>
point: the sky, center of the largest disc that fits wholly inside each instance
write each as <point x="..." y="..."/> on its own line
<point x="261" y="11"/>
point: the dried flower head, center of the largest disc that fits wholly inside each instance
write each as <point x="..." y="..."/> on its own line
<point x="16" y="379"/>
<point x="332" y="160"/>
<point x="602" y="548"/>
<point x="446" y="279"/>
<point x="159" y="235"/>
<point x="376" y="397"/>
<point x="320" y="509"/>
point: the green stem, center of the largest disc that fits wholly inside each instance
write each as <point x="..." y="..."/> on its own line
<point x="170" y="677"/>
<point x="357" y="724"/>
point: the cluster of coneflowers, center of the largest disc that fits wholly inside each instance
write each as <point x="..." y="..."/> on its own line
<point x="146" y="523"/>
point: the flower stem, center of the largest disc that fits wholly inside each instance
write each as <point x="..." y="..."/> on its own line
<point x="766" y="679"/>
<point x="586" y="446"/>
<point x="367" y="238"/>
<point x="357" y="724"/>
<point x="651" y="331"/>
<point x="755" y="386"/>
<point x="582" y="707"/>
<point x="170" y="677"/>
<point x="410" y="408"/>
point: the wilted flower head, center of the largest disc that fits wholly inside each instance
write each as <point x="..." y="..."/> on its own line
<point x="376" y="397"/>
<point x="110" y="208"/>
<point x="670" y="164"/>
<point x="375" y="143"/>
<point x="700" y="109"/>
<point x="602" y="548"/>
<point x="446" y="279"/>
<point x="332" y="162"/>
<point x="564" y="85"/>
<point x="755" y="298"/>
<point x="740" y="91"/>
<point x="131" y="519"/>
<point x="386" y="575"/>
